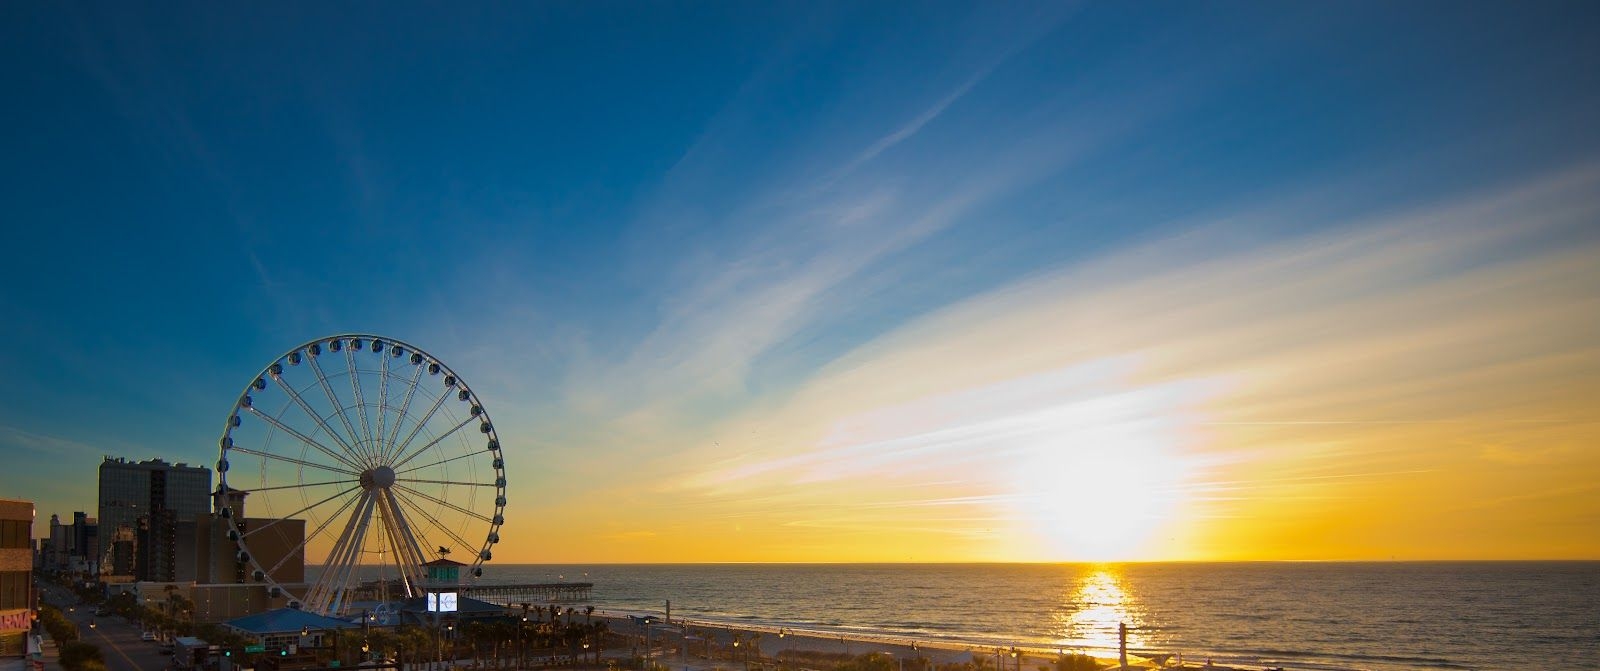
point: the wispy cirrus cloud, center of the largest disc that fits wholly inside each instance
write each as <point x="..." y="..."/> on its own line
<point x="1310" y="373"/>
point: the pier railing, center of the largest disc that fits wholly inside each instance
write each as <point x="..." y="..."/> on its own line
<point x="534" y="593"/>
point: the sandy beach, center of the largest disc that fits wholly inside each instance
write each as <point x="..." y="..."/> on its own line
<point x="711" y="647"/>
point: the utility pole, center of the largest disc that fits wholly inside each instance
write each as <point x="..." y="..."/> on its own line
<point x="1122" y="644"/>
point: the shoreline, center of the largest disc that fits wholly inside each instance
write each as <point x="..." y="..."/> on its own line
<point x="774" y="641"/>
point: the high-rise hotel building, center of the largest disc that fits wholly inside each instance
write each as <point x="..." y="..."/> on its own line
<point x="141" y="507"/>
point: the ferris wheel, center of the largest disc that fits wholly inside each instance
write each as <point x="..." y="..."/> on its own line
<point x="358" y="457"/>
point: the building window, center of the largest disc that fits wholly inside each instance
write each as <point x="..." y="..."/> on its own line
<point x="13" y="590"/>
<point x="16" y="534"/>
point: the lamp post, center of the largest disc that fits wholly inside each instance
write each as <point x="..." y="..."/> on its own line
<point x="449" y="639"/>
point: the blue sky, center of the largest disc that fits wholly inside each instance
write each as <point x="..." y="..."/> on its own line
<point x="633" y="226"/>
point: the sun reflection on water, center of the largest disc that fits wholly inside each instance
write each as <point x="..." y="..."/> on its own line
<point x="1089" y="615"/>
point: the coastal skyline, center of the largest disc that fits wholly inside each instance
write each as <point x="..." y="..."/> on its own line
<point x="826" y="282"/>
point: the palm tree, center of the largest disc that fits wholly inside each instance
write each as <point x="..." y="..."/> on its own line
<point x="588" y="611"/>
<point x="601" y="628"/>
<point x="381" y="642"/>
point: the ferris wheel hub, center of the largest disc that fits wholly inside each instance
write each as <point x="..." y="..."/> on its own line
<point x="381" y="477"/>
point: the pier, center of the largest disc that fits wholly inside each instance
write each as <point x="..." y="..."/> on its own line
<point x="540" y="593"/>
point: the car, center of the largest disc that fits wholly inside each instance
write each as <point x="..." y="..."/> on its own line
<point x="147" y="636"/>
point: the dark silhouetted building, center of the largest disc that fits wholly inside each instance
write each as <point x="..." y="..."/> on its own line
<point x="141" y="506"/>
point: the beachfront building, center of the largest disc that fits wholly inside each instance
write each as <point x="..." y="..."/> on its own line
<point x="277" y="630"/>
<point x="16" y="576"/>
<point x="279" y="544"/>
<point x="211" y="583"/>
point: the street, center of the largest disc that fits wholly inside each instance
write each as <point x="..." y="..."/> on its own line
<point x="118" y="639"/>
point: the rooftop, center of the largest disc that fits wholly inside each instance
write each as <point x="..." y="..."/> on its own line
<point x="284" y="620"/>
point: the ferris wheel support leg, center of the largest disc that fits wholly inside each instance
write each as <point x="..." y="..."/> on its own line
<point x="407" y="552"/>
<point x="353" y="563"/>
<point x="321" y="595"/>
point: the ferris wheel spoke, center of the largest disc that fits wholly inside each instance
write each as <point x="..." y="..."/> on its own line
<point x="383" y="400"/>
<point x="303" y="485"/>
<point x="292" y="460"/>
<point x="447" y="482"/>
<point x="400" y="418"/>
<point x="433" y="442"/>
<point x="436" y="523"/>
<point x="275" y="521"/>
<point x="317" y="532"/>
<point x="338" y="407"/>
<point x="308" y="440"/>
<point x="361" y="403"/>
<point x="401" y="448"/>
<point x="306" y="407"/>
<point x="444" y="503"/>
<point x="439" y="463"/>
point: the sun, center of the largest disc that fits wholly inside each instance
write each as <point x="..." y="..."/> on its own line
<point x="1106" y="482"/>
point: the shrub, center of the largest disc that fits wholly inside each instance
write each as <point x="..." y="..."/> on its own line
<point x="76" y="654"/>
<point x="57" y="625"/>
<point x="1077" y="662"/>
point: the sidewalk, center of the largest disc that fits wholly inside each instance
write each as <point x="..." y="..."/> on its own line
<point x="47" y="659"/>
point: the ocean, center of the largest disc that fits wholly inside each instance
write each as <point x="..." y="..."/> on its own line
<point x="1317" y="616"/>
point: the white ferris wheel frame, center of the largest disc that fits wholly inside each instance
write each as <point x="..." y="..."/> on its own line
<point x="369" y="459"/>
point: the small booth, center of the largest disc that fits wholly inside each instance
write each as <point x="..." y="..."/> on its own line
<point x="190" y="653"/>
